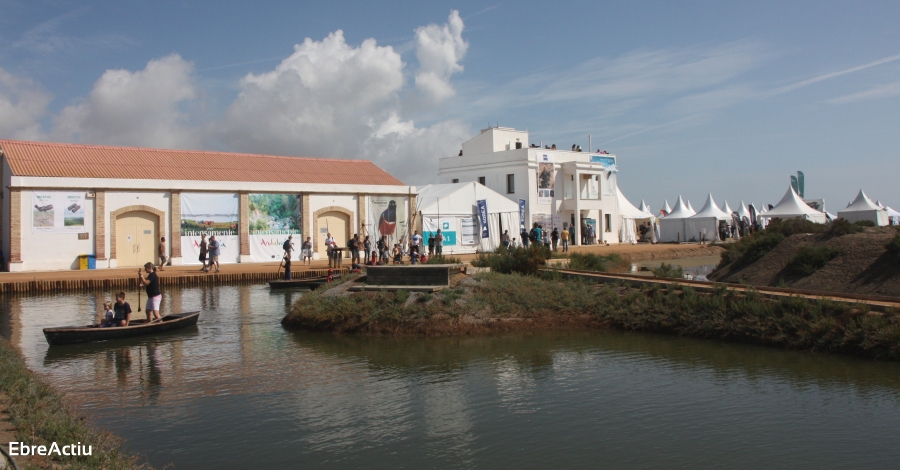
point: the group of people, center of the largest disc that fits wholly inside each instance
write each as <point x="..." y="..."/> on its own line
<point x="118" y="313"/>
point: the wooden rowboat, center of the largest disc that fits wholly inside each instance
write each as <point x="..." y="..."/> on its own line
<point x="310" y="282"/>
<point x="88" y="333"/>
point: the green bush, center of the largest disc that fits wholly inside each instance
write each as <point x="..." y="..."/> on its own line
<point x="841" y="227"/>
<point x="810" y="259"/>
<point x="593" y="262"/>
<point x="523" y="260"/>
<point x="864" y="223"/>
<point x="441" y="259"/>
<point x="893" y="247"/>
<point x="788" y="227"/>
<point x="751" y="248"/>
<point x="669" y="271"/>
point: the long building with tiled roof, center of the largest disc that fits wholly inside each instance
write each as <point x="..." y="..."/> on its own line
<point x="65" y="205"/>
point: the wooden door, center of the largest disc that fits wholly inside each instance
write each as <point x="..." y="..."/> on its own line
<point x="338" y="224"/>
<point x="136" y="238"/>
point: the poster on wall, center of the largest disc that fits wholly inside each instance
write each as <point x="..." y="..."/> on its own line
<point x="470" y="227"/>
<point x="210" y="214"/>
<point x="546" y="178"/>
<point x="605" y="160"/>
<point x="447" y="225"/>
<point x="273" y="218"/>
<point x="57" y="212"/>
<point x="388" y="216"/>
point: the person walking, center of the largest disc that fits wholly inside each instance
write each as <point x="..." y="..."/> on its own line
<point x="439" y="243"/>
<point x="203" y="252"/>
<point x="154" y="297"/>
<point x="288" y="246"/>
<point x="162" y="253"/>
<point x="565" y="239"/>
<point x="554" y="238"/>
<point x="213" y="254"/>
<point x="524" y="235"/>
<point x="306" y="251"/>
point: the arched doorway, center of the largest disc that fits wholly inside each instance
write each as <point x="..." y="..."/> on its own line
<point x="338" y="224"/>
<point x="137" y="236"/>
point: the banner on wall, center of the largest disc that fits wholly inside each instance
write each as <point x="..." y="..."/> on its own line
<point x="469" y="230"/>
<point x="210" y="214"/>
<point x="483" y="217"/>
<point x="521" y="215"/>
<point x="447" y="225"/>
<point x="389" y="216"/>
<point x="546" y="178"/>
<point x="273" y="218"/>
<point x="57" y="212"/>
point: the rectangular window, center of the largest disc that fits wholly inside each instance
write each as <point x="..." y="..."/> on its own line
<point x="456" y="180"/>
<point x="510" y="184"/>
<point x="608" y="222"/>
<point x="481" y="180"/>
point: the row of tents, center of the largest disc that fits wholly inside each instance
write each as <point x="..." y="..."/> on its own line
<point x="683" y="223"/>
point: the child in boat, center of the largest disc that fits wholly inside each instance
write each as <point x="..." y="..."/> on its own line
<point x="109" y="316"/>
<point x="122" y="311"/>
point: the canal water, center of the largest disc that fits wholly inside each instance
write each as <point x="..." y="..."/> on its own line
<point x="238" y="391"/>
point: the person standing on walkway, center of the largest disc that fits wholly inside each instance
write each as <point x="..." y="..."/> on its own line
<point x="213" y="254"/>
<point x="154" y="297"/>
<point x="203" y="252"/>
<point x="414" y="243"/>
<point x="330" y="245"/>
<point x="306" y="251"/>
<point x="367" y="244"/>
<point x="554" y="238"/>
<point x="431" y="244"/>
<point x="565" y="239"/>
<point x="504" y="239"/>
<point x="162" y="253"/>
<point x="353" y="244"/>
<point x="287" y="266"/>
<point x="288" y="246"/>
<point x="439" y="243"/>
<point x="525" y="237"/>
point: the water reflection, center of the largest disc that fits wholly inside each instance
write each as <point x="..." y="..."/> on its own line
<point x="239" y="391"/>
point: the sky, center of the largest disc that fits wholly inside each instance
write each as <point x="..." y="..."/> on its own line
<point x="692" y="96"/>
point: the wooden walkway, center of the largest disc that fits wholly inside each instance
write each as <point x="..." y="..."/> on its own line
<point x="876" y="302"/>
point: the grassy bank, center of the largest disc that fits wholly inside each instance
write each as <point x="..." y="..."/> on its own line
<point x="498" y="302"/>
<point x="41" y="416"/>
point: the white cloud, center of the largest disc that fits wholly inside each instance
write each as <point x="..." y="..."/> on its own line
<point x="22" y="104"/>
<point x="439" y="49"/>
<point x="887" y="90"/>
<point x="143" y="108"/>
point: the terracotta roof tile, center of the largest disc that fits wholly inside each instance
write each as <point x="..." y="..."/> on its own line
<point x="94" y="161"/>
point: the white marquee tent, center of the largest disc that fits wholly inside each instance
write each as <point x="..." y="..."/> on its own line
<point x="666" y="210"/>
<point x="893" y="216"/>
<point x="631" y="216"/>
<point x="791" y="206"/>
<point x="671" y="227"/>
<point x="704" y="225"/>
<point x="453" y="208"/>
<point x="862" y="208"/>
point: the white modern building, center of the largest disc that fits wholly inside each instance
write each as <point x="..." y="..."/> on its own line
<point x="560" y="187"/>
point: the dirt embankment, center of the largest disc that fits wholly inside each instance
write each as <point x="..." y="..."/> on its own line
<point x="863" y="265"/>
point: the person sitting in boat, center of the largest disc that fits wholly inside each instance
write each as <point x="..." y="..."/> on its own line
<point x="108" y="317"/>
<point x="122" y="311"/>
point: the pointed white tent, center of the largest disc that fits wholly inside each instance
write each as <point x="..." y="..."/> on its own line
<point x="690" y="208"/>
<point x="666" y="210"/>
<point x="631" y="217"/>
<point x="671" y="227"/>
<point x="643" y="207"/>
<point x="453" y="208"/>
<point x="791" y="206"/>
<point x="726" y="208"/>
<point x="743" y="211"/>
<point x="704" y="225"/>
<point x="862" y="208"/>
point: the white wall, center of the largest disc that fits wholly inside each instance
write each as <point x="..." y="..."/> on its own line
<point x="51" y="251"/>
<point x="4" y="212"/>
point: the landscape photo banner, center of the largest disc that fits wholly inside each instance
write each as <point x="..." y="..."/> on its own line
<point x="273" y="218"/>
<point x="210" y="214"/>
<point x="57" y="212"/>
<point x="389" y="216"/>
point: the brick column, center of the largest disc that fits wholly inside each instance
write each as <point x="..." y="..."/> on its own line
<point x="305" y="217"/>
<point x="175" y="225"/>
<point x="360" y="215"/>
<point x="100" y="225"/>
<point x="244" y="224"/>
<point x="15" y="226"/>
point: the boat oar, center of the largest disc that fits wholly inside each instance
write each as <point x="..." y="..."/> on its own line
<point x="139" y="290"/>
